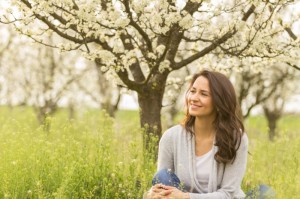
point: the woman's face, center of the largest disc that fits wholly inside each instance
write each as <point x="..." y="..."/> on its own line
<point x="199" y="99"/>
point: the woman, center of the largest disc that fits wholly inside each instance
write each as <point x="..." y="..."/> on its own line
<point x="206" y="156"/>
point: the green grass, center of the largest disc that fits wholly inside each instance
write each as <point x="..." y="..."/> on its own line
<point x="276" y="164"/>
<point x="94" y="156"/>
<point x="84" y="158"/>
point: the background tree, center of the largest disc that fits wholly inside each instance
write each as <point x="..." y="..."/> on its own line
<point x="9" y="74"/>
<point x="144" y="41"/>
<point x="5" y="42"/>
<point x="103" y="91"/>
<point x="53" y="76"/>
<point x="273" y="107"/>
<point x="39" y="76"/>
<point x="255" y="87"/>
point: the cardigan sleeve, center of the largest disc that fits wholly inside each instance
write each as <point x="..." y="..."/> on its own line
<point x="165" y="152"/>
<point x="232" y="178"/>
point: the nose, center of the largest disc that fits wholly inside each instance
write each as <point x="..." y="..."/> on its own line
<point x="194" y="97"/>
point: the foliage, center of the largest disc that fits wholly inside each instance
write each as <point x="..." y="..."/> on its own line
<point x="94" y="156"/>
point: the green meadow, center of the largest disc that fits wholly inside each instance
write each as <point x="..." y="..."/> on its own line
<point x="94" y="156"/>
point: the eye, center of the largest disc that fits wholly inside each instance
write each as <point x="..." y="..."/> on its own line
<point x="204" y="94"/>
<point x="192" y="91"/>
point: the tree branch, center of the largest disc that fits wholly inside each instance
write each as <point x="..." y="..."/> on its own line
<point x="53" y="27"/>
<point x="196" y="39"/>
<point x="291" y="34"/>
<point x="137" y="27"/>
<point x="124" y="76"/>
<point x="259" y="98"/>
<point x="293" y="65"/>
<point x="248" y="13"/>
<point x="135" y="68"/>
<point x="206" y="50"/>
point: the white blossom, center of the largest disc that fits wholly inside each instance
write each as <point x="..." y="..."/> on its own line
<point x="164" y="65"/>
<point x="152" y="56"/>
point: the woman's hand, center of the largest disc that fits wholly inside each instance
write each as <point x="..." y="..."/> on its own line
<point x="176" y="193"/>
<point x="160" y="191"/>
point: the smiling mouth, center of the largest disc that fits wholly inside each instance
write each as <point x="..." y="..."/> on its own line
<point x="195" y="106"/>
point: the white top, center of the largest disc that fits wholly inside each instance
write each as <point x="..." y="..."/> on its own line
<point x="203" y="168"/>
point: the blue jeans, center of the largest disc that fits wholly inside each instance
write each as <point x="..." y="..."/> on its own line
<point x="262" y="191"/>
<point x="167" y="177"/>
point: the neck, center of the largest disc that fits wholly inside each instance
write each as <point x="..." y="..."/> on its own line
<point x="204" y="128"/>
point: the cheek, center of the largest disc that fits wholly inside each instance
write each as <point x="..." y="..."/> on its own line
<point x="212" y="105"/>
<point x="209" y="103"/>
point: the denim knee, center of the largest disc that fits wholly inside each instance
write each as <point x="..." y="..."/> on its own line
<point x="166" y="177"/>
<point x="261" y="192"/>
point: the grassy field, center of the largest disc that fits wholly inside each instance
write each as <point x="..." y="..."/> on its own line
<point x="276" y="164"/>
<point x="98" y="157"/>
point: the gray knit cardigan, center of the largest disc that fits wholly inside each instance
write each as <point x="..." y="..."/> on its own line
<point x="177" y="152"/>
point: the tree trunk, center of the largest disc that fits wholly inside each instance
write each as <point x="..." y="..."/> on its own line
<point x="272" y="117"/>
<point x="71" y="109"/>
<point x="105" y="89"/>
<point x="272" y="128"/>
<point x="150" y="103"/>
<point x="42" y="116"/>
<point x="111" y="107"/>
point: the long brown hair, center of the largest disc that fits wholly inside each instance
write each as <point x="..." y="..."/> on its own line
<point x="228" y="123"/>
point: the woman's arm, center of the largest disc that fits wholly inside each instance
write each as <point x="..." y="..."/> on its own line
<point x="165" y="152"/>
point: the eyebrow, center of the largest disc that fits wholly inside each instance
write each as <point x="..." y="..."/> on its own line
<point x="200" y="90"/>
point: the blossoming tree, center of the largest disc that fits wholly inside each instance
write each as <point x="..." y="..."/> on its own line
<point x="38" y="76"/>
<point x="142" y="41"/>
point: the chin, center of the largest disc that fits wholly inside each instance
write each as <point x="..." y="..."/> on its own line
<point x="194" y="114"/>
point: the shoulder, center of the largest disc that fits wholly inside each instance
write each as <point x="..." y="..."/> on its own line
<point x="176" y="128"/>
<point x="173" y="133"/>
<point x="244" y="140"/>
<point x="243" y="145"/>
